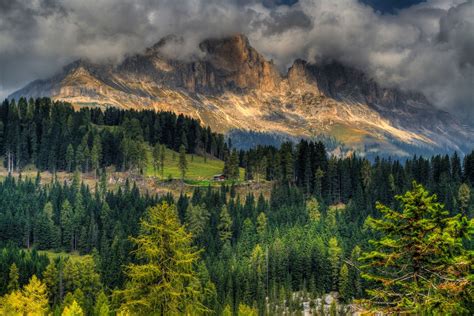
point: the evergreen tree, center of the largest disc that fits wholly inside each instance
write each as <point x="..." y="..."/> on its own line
<point x="334" y="253"/>
<point x="225" y="225"/>
<point x="345" y="289"/>
<point x="464" y="198"/>
<point x="46" y="234"/>
<point x="156" y="157"/>
<point x="67" y="225"/>
<point x="96" y="154"/>
<point x="52" y="282"/>
<point x="101" y="307"/>
<point x="419" y="263"/>
<point x="13" y="277"/>
<point x="312" y="207"/>
<point x="197" y="219"/>
<point x="164" y="281"/>
<point x="183" y="164"/>
<point x="69" y="158"/>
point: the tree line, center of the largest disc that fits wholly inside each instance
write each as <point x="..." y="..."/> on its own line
<point x="53" y="136"/>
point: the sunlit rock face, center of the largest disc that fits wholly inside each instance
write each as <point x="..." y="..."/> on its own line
<point x="228" y="85"/>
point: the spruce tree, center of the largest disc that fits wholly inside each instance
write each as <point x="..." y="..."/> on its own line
<point x="225" y="225"/>
<point x="419" y="263"/>
<point x="183" y="164"/>
<point x="69" y="158"/>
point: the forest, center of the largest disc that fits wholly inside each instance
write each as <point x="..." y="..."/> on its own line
<point x="334" y="235"/>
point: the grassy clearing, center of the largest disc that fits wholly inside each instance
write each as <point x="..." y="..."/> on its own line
<point x="52" y="255"/>
<point x="200" y="171"/>
<point x="348" y="135"/>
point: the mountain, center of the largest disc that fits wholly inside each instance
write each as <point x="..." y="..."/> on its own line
<point x="230" y="86"/>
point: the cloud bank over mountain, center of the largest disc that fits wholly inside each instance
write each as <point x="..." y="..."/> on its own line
<point x="428" y="46"/>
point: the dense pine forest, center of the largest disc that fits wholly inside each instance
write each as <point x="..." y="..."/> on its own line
<point x="333" y="236"/>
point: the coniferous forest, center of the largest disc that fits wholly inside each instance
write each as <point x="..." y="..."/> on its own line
<point x="331" y="235"/>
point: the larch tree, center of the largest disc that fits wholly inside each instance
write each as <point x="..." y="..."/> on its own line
<point x="73" y="309"/>
<point x="13" y="277"/>
<point x="31" y="300"/>
<point x="163" y="281"/>
<point x="419" y="263"/>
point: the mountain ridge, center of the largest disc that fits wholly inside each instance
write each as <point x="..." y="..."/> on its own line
<point x="230" y="86"/>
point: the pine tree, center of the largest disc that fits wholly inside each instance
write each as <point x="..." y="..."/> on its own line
<point x="164" y="280"/>
<point x="69" y="158"/>
<point x="225" y="225"/>
<point x="354" y="272"/>
<point x="183" y="164"/>
<point x="162" y="160"/>
<point x="46" y="234"/>
<point x="156" y="157"/>
<point x="262" y="226"/>
<point x="101" y="307"/>
<point x="345" y="289"/>
<point x="96" y="154"/>
<point x="312" y="207"/>
<point x="197" y="219"/>
<point x="51" y="280"/>
<point x="419" y="263"/>
<point x="67" y="225"/>
<point x="334" y="253"/>
<point x="464" y="197"/>
<point x="13" y="277"/>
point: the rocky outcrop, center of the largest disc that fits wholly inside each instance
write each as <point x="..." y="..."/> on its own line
<point x="228" y="85"/>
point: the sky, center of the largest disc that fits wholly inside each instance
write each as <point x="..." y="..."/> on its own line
<point x="411" y="44"/>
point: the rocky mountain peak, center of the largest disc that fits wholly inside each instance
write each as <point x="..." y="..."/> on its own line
<point x="228" y="84"/>
<point x="239" y="65"/>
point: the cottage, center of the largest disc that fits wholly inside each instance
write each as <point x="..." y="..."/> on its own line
<point x="219" y="177"/>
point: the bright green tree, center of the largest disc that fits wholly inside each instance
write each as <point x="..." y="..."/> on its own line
<point x="262" y="226"/>
<point x="101" y="307"/>
<point x="312" y="207"/>
<point x="419" y="264"/>
<point x="225" y="225"/>
<point x="334" y="253"/>
<point x="197" y="218"/>
<point x="164" y="280"/>
<point x="13" y="277"/>
<point x="344" y="283"/>
<point x="73" y="309"/>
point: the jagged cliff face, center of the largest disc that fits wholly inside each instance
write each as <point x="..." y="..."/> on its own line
<point x="229" y="85"/>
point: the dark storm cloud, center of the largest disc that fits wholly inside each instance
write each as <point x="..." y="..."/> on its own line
<point x="427" y="46"/>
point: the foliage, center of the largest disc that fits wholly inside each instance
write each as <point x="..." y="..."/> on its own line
<point x="419" y="261"/>
<point x="31" y="300"/>
<point x="164" y="281"/>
